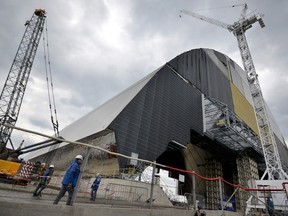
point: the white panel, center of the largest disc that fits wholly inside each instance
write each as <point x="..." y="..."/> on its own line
<point x="100" y="118"/>
<point x="247" y="93"/>
<point x="133" y="162"/>
<point x="181" y="178"/>
<point x="237" y="80"/>
<point x="241" y="72"/>
<point x="217" y="62"/>
<point x="203" y="113"/>
<point x="274" y="124"/>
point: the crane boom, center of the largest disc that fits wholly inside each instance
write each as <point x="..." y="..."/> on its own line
<point x="270" y="150"/>
<point x="16" y="82"/>
<point x="207" y="19"/>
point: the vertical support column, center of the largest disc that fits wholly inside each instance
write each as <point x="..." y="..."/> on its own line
<point x="221" y="195"/>
<point x="86" y="156"/>
<point x="203" y="112"/>
<point x="152" y="184"/>
<point x="194" y="191"/>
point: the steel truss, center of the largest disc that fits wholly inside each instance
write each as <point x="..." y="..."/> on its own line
<point x="16" y="82"/>
<point x="226" y="127"/>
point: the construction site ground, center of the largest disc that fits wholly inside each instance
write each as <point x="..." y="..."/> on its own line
<point x="18" y="200"/>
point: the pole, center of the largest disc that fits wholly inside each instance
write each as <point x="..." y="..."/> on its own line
<point x="231" y="197"/>
<point x="80" y="175"/>
<point x="221" y="195"/>
<point x="194" y="191"/>
<point x="152" y="184"/>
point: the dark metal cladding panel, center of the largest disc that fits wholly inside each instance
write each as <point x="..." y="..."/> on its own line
<point x="199" y="69"/>
<point x="164" y="110"/>
<point x="167" y="108"/>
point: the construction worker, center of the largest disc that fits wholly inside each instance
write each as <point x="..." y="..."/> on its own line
<point x="43" y="181"/>
<point x="95" y="186"/>
<point x="36" y="170"/>
<point x="70" y="179"/>
<point x="270" y="206"/>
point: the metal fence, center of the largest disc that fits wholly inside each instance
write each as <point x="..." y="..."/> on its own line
<point x="126" y="193"/>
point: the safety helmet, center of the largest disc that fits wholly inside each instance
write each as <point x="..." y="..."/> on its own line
<point x="51" y="166"/>
<point x="79" y="157"/>
<point x="98" y="174"/>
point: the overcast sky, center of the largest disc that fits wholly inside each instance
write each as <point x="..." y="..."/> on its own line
<point x="99" y="48"/>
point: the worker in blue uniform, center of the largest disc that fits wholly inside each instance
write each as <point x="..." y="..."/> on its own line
<point x="270" y="205"/>
<point x="95" y="186"/>
<point x="70" y="179"/>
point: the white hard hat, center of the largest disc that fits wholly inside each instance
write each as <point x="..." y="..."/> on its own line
<point x="79" y="157"/>
<point x="97" y="174"/>
<point x="51" y="166"/>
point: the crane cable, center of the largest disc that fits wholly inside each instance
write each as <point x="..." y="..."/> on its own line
<point x="50" y="95"/>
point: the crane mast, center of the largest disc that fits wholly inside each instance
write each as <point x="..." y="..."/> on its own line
<point x="273" y="162"/>
<point x="270" y="151"/>
<point x="16" y="82"/>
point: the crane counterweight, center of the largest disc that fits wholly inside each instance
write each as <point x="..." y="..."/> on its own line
<point x="40" y="12"/>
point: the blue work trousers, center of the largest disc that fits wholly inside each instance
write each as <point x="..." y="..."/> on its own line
<point x="93" y="194"/>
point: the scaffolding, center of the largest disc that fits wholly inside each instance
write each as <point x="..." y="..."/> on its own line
<point x="226" y="127"/>
<point x="247" y="170"/>
<point x="213" y="194"/>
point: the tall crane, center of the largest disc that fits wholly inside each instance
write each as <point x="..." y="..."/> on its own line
<point x="16" y="82"/>
<point x="270" y="151"/>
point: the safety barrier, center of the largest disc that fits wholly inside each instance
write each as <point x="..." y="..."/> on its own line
<point x="26" y="170"/>
<point x="126" y="192"/>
